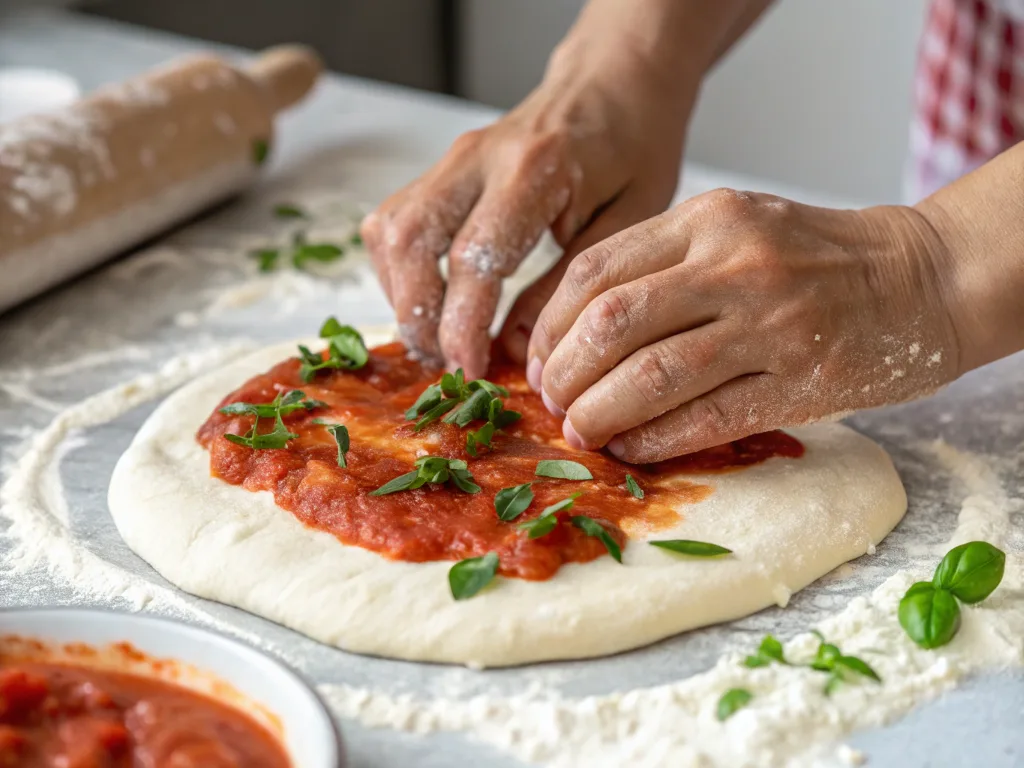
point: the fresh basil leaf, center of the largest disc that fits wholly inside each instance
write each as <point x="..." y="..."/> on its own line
<point x="563" y="470"/>
<point x="296" y="400"/>
<point x="732" y="701"/>
<point x="634" y="487"/>
<point x="246" y="409"/>
<point x="345" y="344"/>
<point x="494" y="390"/>
<point x="482" y="437"/>
<point x="825" y="658"/>
<point x="756" y="661"/>
<point x="406" y="482"/>
<point x="449" y="386"/>
<point x="539" y="526"/>
<point x="593" y="528"/>
<point x="340" y="434"/>
<point x="467" y="577"/>
<point x="505" y="418"/>
<point x="433" y="469"/>
<point x="857" y="666"/>
<point x="277" y="438"/>
<point x="356" y="240"/>
<point x="435" y="413"/>
<point x="322" y="252"/>
<point x="429" y="398"/>
<point x="463" y="480"/>
<point x="971" y="571"/>
<point x="930" y="616"/>
<point x="457" y="464"/>
<point x="289" y="211"/>
<point x="266" y="258"/>
<point x="693" y="548"/>
<point x="768" y="651"/>
<point x="834" y="681"/>
<point x="475" y="407"/>
<point x="562" y="505"/>
<point x="260" y="151"/>
<point x="510" y="503"/>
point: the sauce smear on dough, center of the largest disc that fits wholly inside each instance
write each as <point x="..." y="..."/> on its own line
<point x="443" y="523"/>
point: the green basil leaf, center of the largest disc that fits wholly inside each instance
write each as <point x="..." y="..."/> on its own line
<point x="340" y="434"/>
<point x="593" y="528"/>
<point x="467" y="577"/>
<point x="457" y="464"/>
<point x="634" y="487"/>
<point x="563" y="470"/>
<point x="322" y="252"/>
<point x="562" y="505"/>
<point x="693" y="548"/>
<point x="346" y="344"/>
<point x="356" y="240"/>
<point x="971" y="571"/>
<point x="482" y="437"/>
<point x="463" y="480"/>
<point x="433" y="469"/>
<point x="435" y="413"/>
<point x="930" y="616"/>
<point x="247" y="409"/>
<point x="771" y="648"/>
<point x="857" y="666"/>
<point x="289" y="211"/>
<point x="449" y="386"/>
<point x="510" y="503"/>
<point x="834" y="681"/>
<point x="266" y="258"/>
<point x="494" y="390"/>
<point x="539" y="526"/>
<point x="428" y="399"/>
<point x="756" y="661"/>
<point x="825" y="658"/>
<point x="296" y="400"/>
<point x="260" y="151"/>
<point x="277" y="438"/>
<point x="732" y="701"/>
<point x="405" y="482"/>
<point x="499" y="417"/>
<point x="475" y="407"/>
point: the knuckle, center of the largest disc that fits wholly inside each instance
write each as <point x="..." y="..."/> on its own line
<point x="468" y="142"/>
<point x="654" y="374"/>
<point x="403" y="232"/>
<point x="707" y="417"/>
<point x="586" y="272"/>
<point x="607" y="317"/>
<point x="724" y="204"/>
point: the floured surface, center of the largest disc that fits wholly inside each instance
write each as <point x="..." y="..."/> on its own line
<point x="788" y="521"/>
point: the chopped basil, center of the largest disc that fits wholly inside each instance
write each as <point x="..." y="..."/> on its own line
<point x="546" y="521"/>
<point x="473" y="408"/>
<point x="289" y="211"/>
<point x="340" y="434"/>
<point x="277" y="438"/>
<point x="840" y="667"/>
<point x="732" y="701"/>
<point x="971" y="571"/>
<point x="770" y="650"/>
<point x="593" y="528"/>
<point x="467" y="577"/>
<point x="345" y="350"/>
<point x="322" y="252"/>
<point x="929" y="615"/>
<point x="688" y="547"/>
<point x="482" y="437"/>
<point x="634" y="487"/>
<point x="260" y="151"/>
<point x="510" y="503"/>
<point x="280" y="406"/>
<point x="494" y="390"/>
<point x="435" y="413"/>
<point x="266" y="258"/>
<point x="498" y="416"/>
<point x="432" y="469"/>
<point x="563" y="470"/>
<point x="429" y="398"/>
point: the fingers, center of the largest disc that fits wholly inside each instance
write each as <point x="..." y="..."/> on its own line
<point x="651" y="246"/>
<point x="503" y="228"/>
<point x="657" y="379"/>
<point x="622" y="321"/>
<point x="408" y="234"/>
<point x="740" y="407"/>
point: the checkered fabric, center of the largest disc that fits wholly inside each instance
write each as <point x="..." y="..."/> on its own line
<point x="969" y="90"/>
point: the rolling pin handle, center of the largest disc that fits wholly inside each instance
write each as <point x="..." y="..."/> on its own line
<point x="287" y="73"/>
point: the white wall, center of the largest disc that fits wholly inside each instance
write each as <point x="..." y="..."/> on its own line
<point x="817" y="96"/>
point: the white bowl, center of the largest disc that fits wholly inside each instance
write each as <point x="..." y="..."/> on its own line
<point x="306" y="729"/>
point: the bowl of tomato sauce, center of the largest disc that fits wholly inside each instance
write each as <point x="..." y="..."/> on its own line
<point x="100" y="689"/>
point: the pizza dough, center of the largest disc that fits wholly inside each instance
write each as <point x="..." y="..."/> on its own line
<point x="789" y="522"/>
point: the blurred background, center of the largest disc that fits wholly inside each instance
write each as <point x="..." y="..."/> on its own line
<point x="818" y="95"/>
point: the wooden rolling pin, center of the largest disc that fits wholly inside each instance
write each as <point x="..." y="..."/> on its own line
<point x="84" y="183"/>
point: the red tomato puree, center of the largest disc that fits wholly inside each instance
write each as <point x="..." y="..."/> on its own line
<point x="442" y="522"/>
<point x="54" y="715"/>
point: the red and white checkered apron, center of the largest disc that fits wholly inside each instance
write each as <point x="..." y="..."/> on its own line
<point x="969" y="90"/>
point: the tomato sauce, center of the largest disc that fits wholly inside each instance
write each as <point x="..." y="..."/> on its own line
<point x="441" y="522"/>
<point x="72" y="716"/>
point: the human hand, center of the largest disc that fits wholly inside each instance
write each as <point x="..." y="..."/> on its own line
<point x="596" y="148"/>
<point x="736" y="313"/>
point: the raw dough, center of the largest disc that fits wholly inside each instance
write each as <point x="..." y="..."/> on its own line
<point x="789" y="522"/>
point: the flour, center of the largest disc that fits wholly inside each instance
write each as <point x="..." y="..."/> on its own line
<point x="790" y="720"/>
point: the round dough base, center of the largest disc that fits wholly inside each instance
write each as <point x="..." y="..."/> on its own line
<point x="788" y="522"/>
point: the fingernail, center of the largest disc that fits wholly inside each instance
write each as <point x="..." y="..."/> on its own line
<point x="534" y="374"/>
<point x="550" y="404"/>
<point x="571" y="436"/>
<point x="616" y="448"/>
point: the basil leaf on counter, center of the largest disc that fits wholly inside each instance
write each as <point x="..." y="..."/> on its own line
<point x="693" y="548"/>
<point x="289" y="211"/>
<point x="732" y="701"/>
<point x="266" y="258"/>
<point x="634" y="487"/>
<point x="260" y="151"/>
<point x="562" y="469"/>
<point x="467" y="577"/>
<point x="356" y="240"/>
<point x="340" y="434"/>
<point x="322" y="252"/>
<point x="971" y="571"/>
<point x="510" y="503"/>
<point x="770" y="650"/>
<point x="929" y="615"/>
<point x="593" y="528"/>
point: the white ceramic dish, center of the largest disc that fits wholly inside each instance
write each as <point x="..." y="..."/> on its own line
<point x="307" y="731"/>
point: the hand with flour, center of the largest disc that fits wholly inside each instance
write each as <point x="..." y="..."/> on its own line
<point x="737" y="313"/>
<point x="594" y="149"/>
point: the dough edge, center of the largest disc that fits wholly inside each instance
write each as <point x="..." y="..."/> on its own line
<point x="789" y="522"/>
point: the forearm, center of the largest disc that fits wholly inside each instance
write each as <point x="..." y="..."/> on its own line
<point x="980" y="219"/>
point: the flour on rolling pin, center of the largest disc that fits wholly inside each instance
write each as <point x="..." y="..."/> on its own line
<point x="90" y="180"/>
